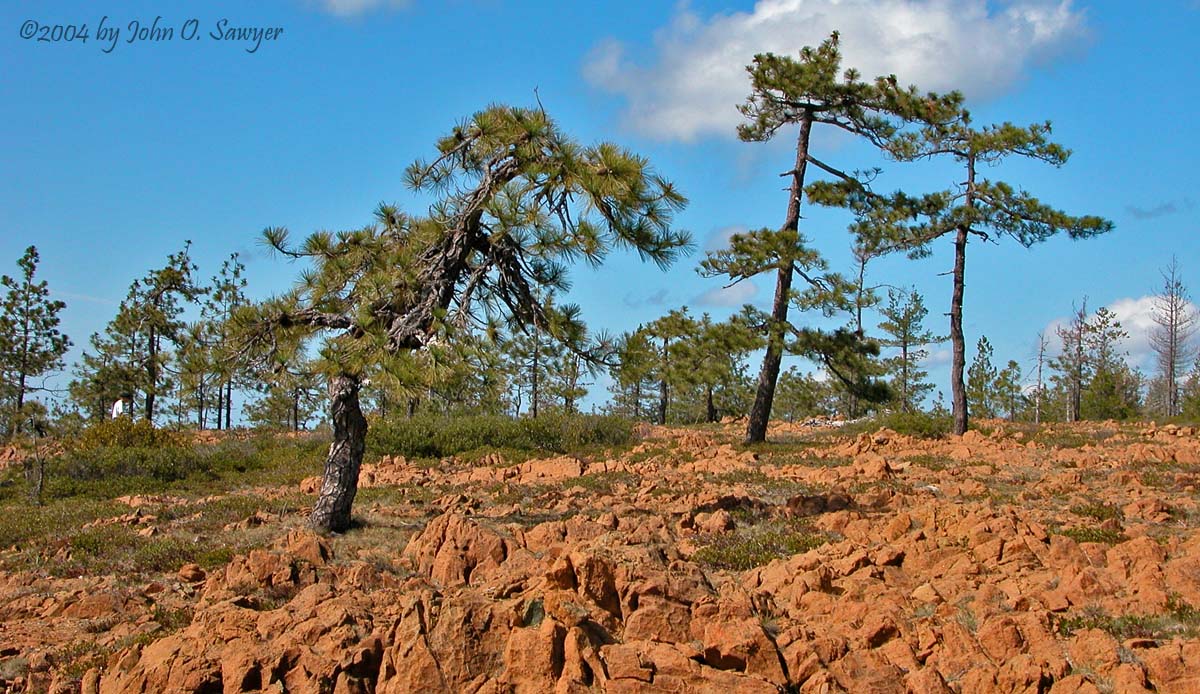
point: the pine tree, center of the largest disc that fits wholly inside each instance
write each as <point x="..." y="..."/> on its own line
<point x="1008" y="390"/>
<point x="668" y="331"/>
<point x="196" y="372"/>
<point x="517" y="200"/>
<point x="226" y="294"/>
<point x="133" y="353"/>
<point x="851" y="361"/>
<point x="289" y="400"/>
<point x="107" y="370"/>
<point x="1072" y="362"/>
<point x="1175" y="324"/>
<point x="903" y="323"/>
<point x="805" y="92"/>
<point x="982" y="208"/>
<point x="1107" y="394"/>
<point x="631" y="372"/>
<point x="531" y="353"/>
<point x="799" y="395"/>
<point x="31" y="345"/>
<point x="712" y="361"/>
<point x="981" y="381"/>
<point x="566" y="383"/>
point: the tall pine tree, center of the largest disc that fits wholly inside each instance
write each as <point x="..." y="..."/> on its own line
<point x="903" y="319"/>
<point x="809" y="91"/>
<point x="31" y="345"/>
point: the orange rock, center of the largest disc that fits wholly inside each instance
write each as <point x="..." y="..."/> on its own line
<point x="191" y="573"/>
<point x="534" y="657"/>
<point x="658" y="619"/>
<point x="1074" y="684"/>
<point x="925" y="681"/>
<point x="1001" y="638"/>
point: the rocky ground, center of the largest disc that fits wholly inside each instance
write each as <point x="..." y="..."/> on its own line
<point x="1026" y="560"/>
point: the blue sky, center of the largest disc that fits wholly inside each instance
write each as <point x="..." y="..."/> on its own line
<point x="112" y="160"/>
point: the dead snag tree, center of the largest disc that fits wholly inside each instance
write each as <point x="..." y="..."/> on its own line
<point x="1175" y="324"/>
<point x="516" y="201"/>
<point x="812" y="90"/>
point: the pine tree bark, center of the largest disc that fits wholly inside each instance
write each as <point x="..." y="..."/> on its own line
<point x="957" y="340"/>
<point x="151" y="374"/>
<point x="537" y="350"/>
<point x="332" y="510"/>
<point x="768" y="375"/>
<point x="663" y="393"/>
<point x="710" y="407"/>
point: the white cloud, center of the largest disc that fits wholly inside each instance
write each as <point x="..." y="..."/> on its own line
<point x="696" y="77"/>
<point x="353" y="8"/>
<point x="938" y="357"/>
<point x="738" y="294"/>
<point x="718" y="240"/>
<point x="1137" y="319"/>
<point x="657" y="298"/>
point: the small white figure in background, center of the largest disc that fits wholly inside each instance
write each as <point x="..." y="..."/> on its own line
<point x="123" y="407"/>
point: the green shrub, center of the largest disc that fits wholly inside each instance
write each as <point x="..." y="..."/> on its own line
<point x="921" y="425"/>
<point x="164" y="464"/>
<point x="1094" y="534"/>
<point x="103" y="540"/>
<point x="1100" y="512"/>
<point x="746" y="549"/>
<point x="123" y="432"/>
<point x="428" y="436"/>
<point x="165" y="554"/>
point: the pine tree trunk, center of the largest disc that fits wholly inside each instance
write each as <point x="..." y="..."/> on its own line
<point x="957" y="339"/>
<point x="1076" y="401"/>
<point x="20" y="393"/>
<point x="956" y="303"/>
<point x="905" y="406"/>
<point x="662" y="385"/>
<point x="533" y="393"/>
<point x="768" y="375"/>
<point x="332" y="510"/>
<point x="151" y="375"/>
<point x="228" y="404"/>
<point x="711" y="409"/>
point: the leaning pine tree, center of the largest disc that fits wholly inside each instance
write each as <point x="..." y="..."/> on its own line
<point x="517" y="199"/>
<point x="806" y="92"/>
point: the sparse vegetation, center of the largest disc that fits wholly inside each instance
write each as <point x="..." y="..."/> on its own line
<point x="1180" y="619"/>
<point x="922" y="425"/>
<point x="1106" y="536"/>
<point x="757" y="545"/>
<point x="1098" y="511"/>
<point x="430" y="436"/>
